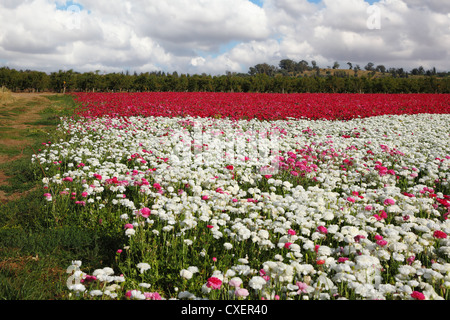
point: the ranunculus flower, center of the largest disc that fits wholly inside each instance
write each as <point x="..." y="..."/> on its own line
<point x="418" y="295"/>
<point x="145" y="212"/>
<point x="214" y="283"/>
<point x="241" y="292"/>
<point x="322" y="229"/>
<point x="439" y="234"/>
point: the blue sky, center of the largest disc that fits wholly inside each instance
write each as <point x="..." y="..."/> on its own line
<point x="214" y="36"/>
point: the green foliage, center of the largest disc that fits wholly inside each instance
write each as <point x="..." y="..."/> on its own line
<point x="35" y="249"/>
<point x="289" y="77"/>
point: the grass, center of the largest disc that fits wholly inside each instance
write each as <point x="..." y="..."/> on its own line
<point x="35" y="250"/>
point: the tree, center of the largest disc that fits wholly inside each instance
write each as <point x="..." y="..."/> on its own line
<point x="350" y="65"/>
<point x="302" y="66"/>
<point x="356" y="69"/>
<point x="288" y="65"/>
<point x="336" y="65"/>
<point x="369" y="66"/>
<point x="380" y="68"/>
<point x="263" y="68"/>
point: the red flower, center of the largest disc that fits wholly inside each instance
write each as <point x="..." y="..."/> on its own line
<point x="418" y="295"/>
<point x="439" y="234"/>
<point x="230" y="167"/>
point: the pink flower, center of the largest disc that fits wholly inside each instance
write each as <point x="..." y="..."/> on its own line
<point x="235" y="282"/>
<point x="128" y="226"/>
<point x="157" y="186"/>
<point x="368" y="208"/>
<point x="152" y="296"/>
<point x="388" y="202"/>
<point x="342" y="259"/>
<point x="84" y="194"/>
<point x="351" y="199"/>
<point x="205" y="197"/>
<point x="381" y="243"/>
<point x="291" y="232"/>
<point x="381" y="216"/>
<point x="214" y="283"/>
<point x="378" y="237"/>
<point x="418" y="295"/>
<point x="302" y="287"/>
<point x="145" y="212"/>
<point x="322" y="229"/>
<point x="287" y="245"/>
<point x="241" y="292"/>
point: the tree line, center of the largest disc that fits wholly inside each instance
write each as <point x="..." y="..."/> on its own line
<point x="288" y="77"/>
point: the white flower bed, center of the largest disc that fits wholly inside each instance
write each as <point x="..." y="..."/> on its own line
<point x="351" y="210"/>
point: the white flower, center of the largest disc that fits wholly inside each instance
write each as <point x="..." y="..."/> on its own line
<point x="186" y="274"/>
<point x="193" y="269"/>
<point x="96" y="293"/>
<point x="186" y="295"/>
<point x="143" y="266"/>
<point x="228" y="246"/>
<point x="77" y="287"/>
<point x="256" y="282"/>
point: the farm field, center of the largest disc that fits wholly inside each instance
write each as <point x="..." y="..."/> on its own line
<point x="251" y="196"/>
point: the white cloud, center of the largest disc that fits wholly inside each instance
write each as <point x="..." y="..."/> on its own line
<point x="194" y="36"/>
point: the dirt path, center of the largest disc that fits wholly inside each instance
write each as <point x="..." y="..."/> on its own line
<point x="18" y="112"/>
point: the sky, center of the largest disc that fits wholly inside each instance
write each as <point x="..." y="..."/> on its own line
<point x="216" y="36"/>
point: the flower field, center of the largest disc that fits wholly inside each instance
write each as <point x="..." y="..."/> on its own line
<point x="257" y="196"/>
